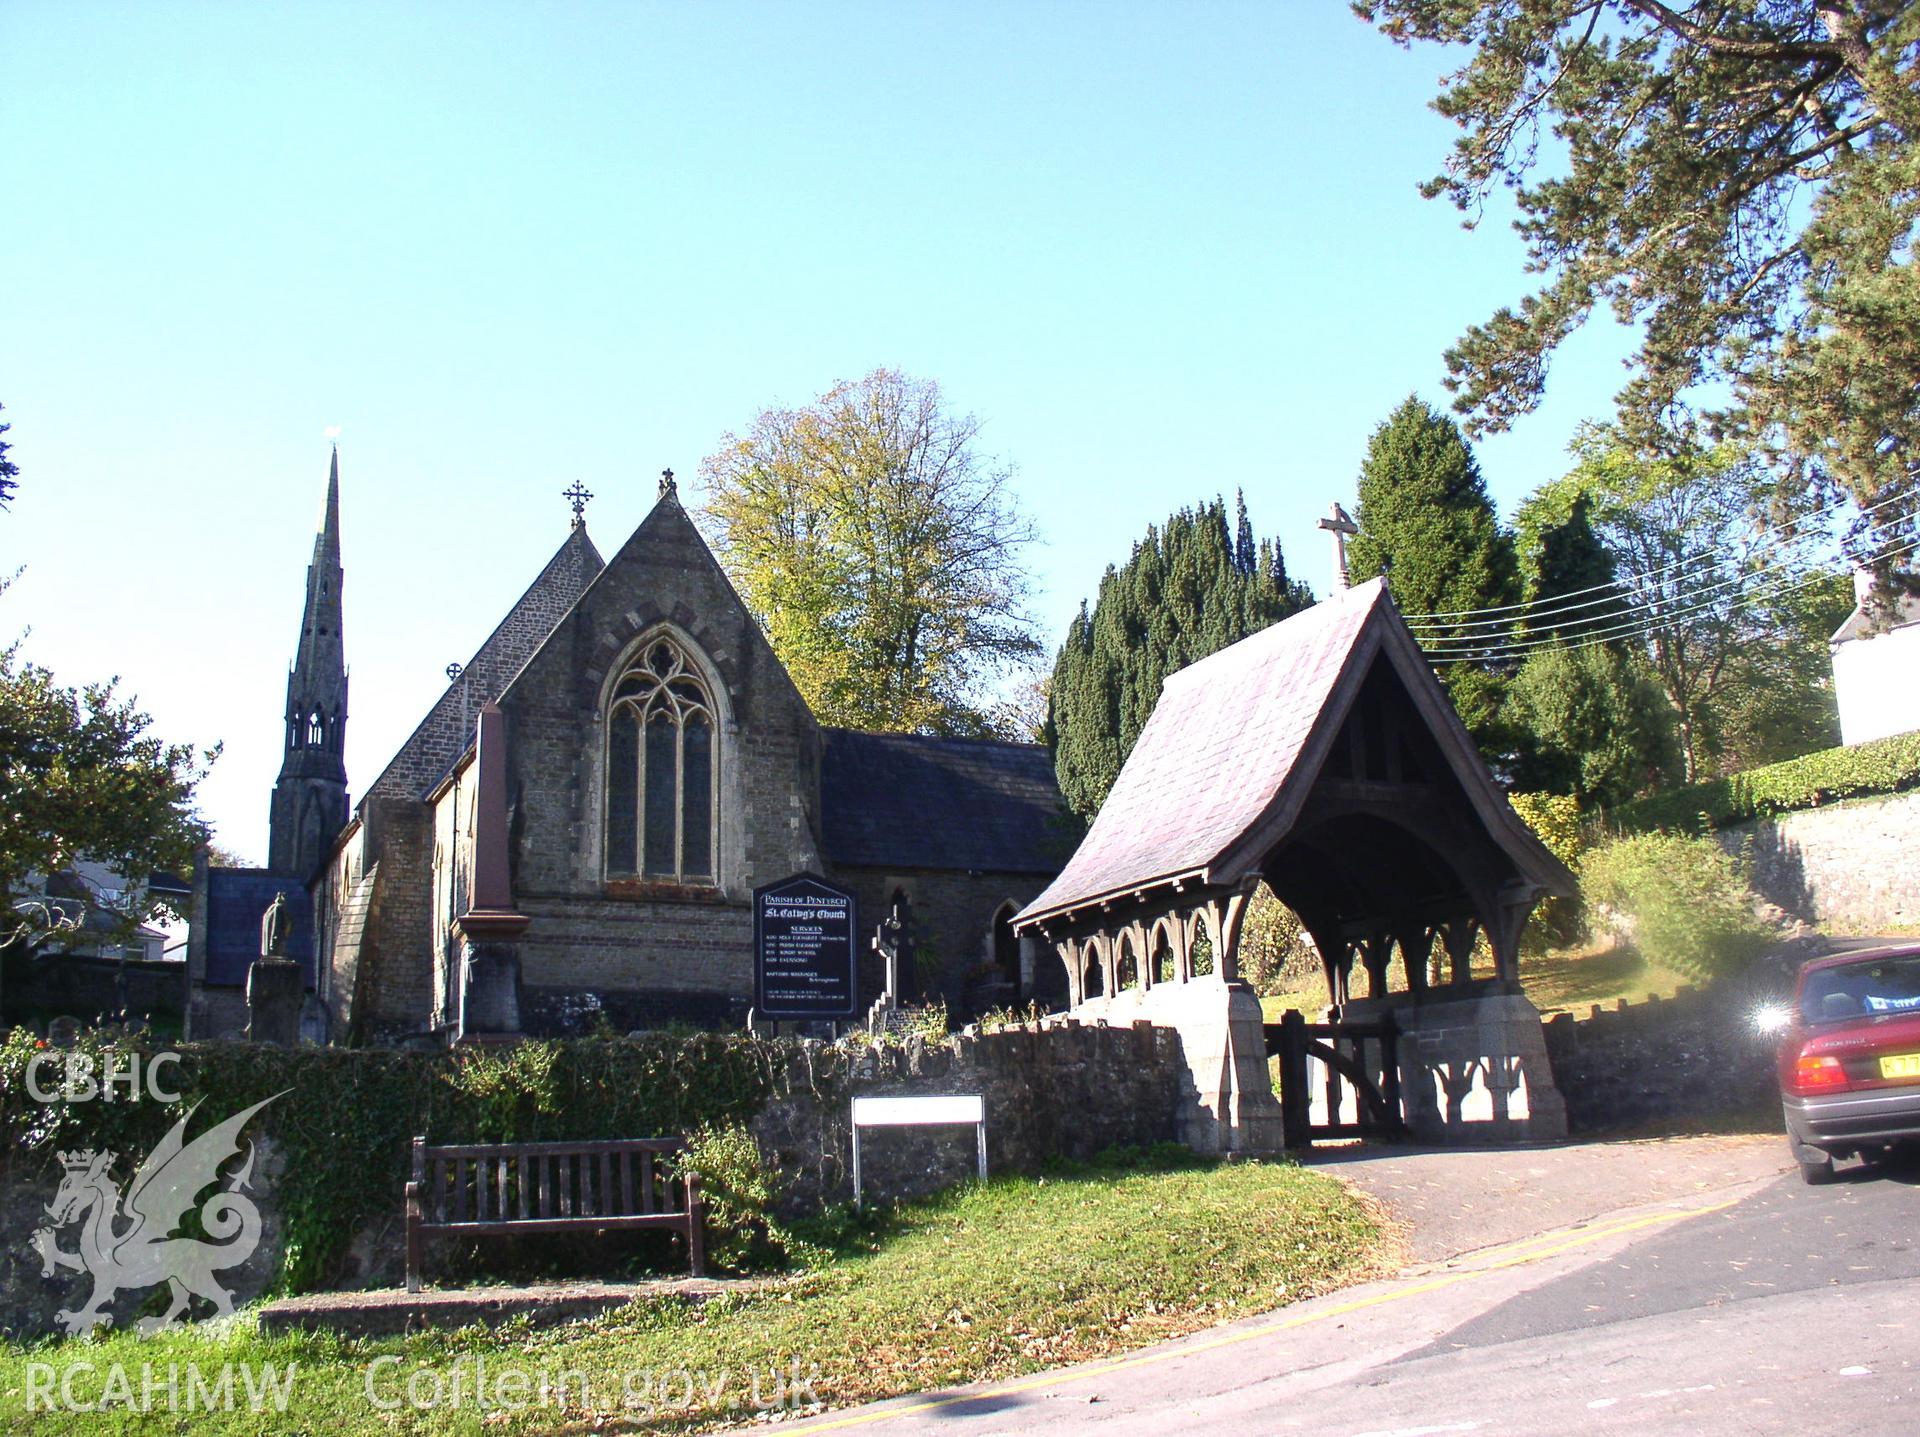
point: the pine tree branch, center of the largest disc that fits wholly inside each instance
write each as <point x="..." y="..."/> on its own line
<point x="1703" y="36"/>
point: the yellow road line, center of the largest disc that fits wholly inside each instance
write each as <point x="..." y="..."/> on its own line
<point x="1530" y="1250"/>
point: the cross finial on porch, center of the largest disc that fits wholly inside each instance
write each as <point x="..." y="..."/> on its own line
<point x="667" y="490"/>
<point x="577" y="495"/>
<point x="1338" y="524"/>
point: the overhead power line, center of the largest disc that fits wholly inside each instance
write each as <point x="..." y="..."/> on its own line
<point x="1820" y="513"/>
<point x="1697" y="601"/>
<point x="1626" y="593"/>
<point x="1641" y="628"/>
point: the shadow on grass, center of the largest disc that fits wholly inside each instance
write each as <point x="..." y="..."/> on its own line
<point x="1579" y="980"/>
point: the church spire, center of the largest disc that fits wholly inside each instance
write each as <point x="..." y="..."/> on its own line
<point x="310" y="798"/>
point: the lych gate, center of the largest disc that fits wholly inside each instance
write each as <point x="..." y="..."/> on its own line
<point x="1323" y="757"/>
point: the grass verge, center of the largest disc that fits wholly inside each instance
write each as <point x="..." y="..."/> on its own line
<point x="983" y="1282"/>
<point x="1571" y="980"/>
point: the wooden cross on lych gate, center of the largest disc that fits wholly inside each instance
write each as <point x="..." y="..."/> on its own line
<point x="1342" y="528"/>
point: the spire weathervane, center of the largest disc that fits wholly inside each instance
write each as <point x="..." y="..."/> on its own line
<point x="577" y="495"/>
<point x="667" y="490"/>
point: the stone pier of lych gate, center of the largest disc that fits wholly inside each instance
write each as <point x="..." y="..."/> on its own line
<point x="1322" y="757"/>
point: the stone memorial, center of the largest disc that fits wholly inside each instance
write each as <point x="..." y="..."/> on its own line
<point x="276" y="989"/>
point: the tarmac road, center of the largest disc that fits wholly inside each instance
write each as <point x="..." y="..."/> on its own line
<point x="1743" y="1303"/>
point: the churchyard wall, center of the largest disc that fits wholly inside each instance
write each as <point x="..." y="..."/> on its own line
<point x="1065" y="1091"/>
<point x="1696" y="1056"/>
<point x="331" y="1150"/>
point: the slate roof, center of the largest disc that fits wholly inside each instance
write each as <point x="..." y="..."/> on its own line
<point x="446" y="731"/>
<point x="1237" y="739"/>
<point x="236" y="899"/>
<point x="168" y="885"/>
<point x="1906" y="611"/>
<point x="898" y="801"/>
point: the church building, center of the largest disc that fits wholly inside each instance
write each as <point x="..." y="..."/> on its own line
<point x="588" y="808"/>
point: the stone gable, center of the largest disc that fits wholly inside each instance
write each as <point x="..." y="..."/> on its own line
<point x="592" y="933"/>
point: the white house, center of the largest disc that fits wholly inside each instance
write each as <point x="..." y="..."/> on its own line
<point x="1876" y="676"/>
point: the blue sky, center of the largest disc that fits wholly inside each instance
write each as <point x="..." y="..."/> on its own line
<point x="1160" y="250"/>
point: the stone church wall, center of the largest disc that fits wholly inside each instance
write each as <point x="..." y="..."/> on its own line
<point x="392" y="980"/>
<point x="953" y="917"/>
<point x="453" y="817"/>
<point x="639" y="964"/>
<point x="644" y="952"/>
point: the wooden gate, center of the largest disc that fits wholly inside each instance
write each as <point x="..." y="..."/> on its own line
<point x="1344" y="1060"/>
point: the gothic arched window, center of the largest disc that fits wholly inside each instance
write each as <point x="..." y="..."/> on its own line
<point x="316" y="729"/>
<point x="660" y="769"/>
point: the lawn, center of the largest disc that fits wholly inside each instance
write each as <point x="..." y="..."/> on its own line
<point x="1572" y="980"/>
<point x="983" y="1282"/>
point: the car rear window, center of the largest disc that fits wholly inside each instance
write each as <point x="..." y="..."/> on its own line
<point x="1862" y="990"/>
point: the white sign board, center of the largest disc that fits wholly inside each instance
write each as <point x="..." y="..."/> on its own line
<point x="931" y="1110"/>
<point x="910" y="1112"/>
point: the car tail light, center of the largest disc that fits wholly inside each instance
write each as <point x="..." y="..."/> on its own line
<point x="1817" y="1073"/>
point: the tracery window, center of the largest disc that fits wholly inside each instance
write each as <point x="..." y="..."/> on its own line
<point x="661" y="794"/>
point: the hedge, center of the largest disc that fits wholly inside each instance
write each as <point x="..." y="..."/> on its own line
<point x="1887" y="765"/>
<point x="344" y="1117"/>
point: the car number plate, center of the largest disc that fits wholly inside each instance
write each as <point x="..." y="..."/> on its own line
<point x="1901" y="1065"/>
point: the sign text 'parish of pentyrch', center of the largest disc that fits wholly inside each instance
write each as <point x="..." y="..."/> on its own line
<point x="803" y="932"/>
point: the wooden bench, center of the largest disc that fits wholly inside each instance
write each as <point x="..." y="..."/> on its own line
<point x="489" y="1189"/>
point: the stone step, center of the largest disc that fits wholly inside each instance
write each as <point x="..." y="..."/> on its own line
<point x="386" y="1312"/>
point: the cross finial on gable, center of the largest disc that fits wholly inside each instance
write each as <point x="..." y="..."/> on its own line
<point x="577" y="495"/>
<point x="667" y="491"/>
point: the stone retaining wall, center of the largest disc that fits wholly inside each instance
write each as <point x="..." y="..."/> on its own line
<point x="1849" y="867"/>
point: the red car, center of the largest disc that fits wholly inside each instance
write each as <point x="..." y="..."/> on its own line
<point x="1849" y="1058"/>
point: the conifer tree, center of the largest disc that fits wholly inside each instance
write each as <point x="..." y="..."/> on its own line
<point x="1427" y="523"/>
<point x="9" y="471"/>
<point x="1569" y="573"/>
<point x="1190" y="588"/>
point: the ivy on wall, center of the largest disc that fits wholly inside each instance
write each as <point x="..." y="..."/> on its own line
<point x="345" y="1117"/>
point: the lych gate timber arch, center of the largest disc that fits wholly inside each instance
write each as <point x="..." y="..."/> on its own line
<point x="1323" y="757"/>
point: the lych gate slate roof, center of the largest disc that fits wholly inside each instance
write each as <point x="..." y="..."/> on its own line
<point x="1235" y="742"/>
<point x="895" y="800"/>
<point x="447" y="730"/>
<point x="236" y="899"/>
